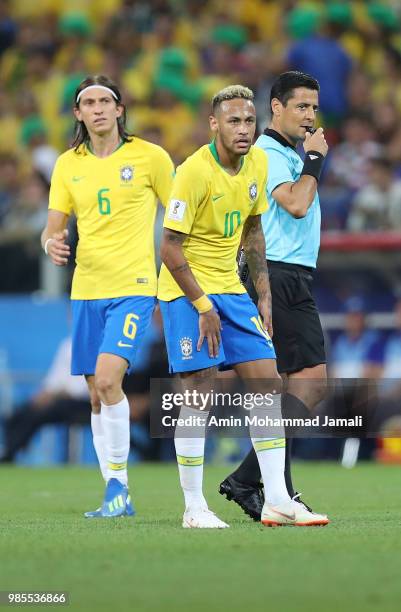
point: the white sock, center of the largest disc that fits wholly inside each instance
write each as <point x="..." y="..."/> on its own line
<point x="190" y="453"/>
<point x="98" y="442"/>
<point x="270" y="453"/>
<point x="116" y="429"/>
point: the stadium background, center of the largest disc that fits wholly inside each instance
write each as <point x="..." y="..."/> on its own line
<point x="169" y="58"/>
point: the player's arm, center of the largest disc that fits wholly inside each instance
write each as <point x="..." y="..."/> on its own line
<point x="296" y="197"/>
<point x="60" y="208"/>
<point x="173" y="257"/>
<point x="162" y="175"/>
<point x="253" y="243"/>
<point x="53" y="237"/>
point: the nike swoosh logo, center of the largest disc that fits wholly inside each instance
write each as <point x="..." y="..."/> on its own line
<point x="75" y="179"/>
<point x="122" y="344"/>
<point x="217" y="197"/>
<point x="313" y="156"/>
<point x="288" y="516"/>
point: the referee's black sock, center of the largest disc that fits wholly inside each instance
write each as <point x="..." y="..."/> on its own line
<point x="249" y="471"/>
<point x="287" y="469"/>
<point x="292" y="408"/>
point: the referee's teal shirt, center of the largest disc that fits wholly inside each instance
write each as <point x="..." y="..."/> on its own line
<point x="288" y="239"/>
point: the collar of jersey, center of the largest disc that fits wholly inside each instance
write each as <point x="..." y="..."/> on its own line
<point x="89" y="147"/>
<point x="213" y="150"/>
<point x="276" y="136"/>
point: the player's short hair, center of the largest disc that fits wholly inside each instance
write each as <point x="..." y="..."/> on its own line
<point x="81" y="135"/>
<point x="231" y="93"/>
<point x="283" y="87"/>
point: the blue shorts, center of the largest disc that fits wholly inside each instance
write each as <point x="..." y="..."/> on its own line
<point x="242" y="337"/>
<point x="108" y="326"/>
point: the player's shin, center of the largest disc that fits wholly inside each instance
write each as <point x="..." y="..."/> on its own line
<point x="116" y="428"/>
<point x="99" y="442"/>
<point x="190" y="447"/>
<point x="269" y="443"/>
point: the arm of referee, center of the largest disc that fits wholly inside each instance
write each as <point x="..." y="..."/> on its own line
<point x="297" y="197"/>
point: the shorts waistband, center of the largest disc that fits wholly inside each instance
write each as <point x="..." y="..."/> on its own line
<point x="289" y="266"/>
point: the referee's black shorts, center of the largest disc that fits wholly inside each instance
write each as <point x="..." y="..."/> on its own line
<point x="297" y="331"/>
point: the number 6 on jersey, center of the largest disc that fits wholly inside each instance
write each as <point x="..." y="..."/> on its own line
<point x="130" y="327"/>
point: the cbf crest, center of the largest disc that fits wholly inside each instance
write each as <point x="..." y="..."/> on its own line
<point x="126" y="174"/>
<point x="253" y="191"/>
<point x="186" y="347"/>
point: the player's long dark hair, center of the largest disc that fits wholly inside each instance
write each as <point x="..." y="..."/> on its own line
<point x="81" y="135"/>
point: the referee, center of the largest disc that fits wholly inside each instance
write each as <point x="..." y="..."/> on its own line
<point x="292" y="232"/>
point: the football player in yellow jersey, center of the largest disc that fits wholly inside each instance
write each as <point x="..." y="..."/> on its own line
<point x="112" y="182"/>
<point x="218" y="196"/>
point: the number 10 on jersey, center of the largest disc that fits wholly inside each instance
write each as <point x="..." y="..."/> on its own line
<point x="232" y="220"/>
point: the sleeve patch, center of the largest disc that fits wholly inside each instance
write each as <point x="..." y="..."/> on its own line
<point x="176" y="210"/>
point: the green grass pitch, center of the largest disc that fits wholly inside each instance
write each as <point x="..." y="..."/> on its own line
<point x="150" y="563"/>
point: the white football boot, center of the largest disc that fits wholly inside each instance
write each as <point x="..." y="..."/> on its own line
<point x="201" y="518"/>
<point x="293" y="513"/>
<point x="305" y="517"/>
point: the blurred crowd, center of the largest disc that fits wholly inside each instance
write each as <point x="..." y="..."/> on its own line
<point x="169" y="57"/>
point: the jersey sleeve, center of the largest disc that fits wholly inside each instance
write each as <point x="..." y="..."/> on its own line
<point x="59" y="196"/>
<point x="279" y="171"/>
<point x="162" y="175"/>
<point x="190" y="188"/>
<point x="261" y="204"/>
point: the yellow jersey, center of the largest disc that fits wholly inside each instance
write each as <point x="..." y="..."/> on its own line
<point x="211" y="207"/>
<point x="115" y="202"/>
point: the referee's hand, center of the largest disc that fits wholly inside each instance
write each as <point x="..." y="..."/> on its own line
<point x="57" y="249"/>
<point x="316" y="142"/>
<point x="210" y="328"/>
